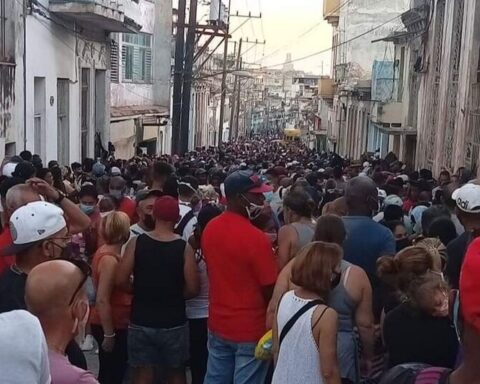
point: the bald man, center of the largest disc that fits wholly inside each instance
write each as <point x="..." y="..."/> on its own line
<point x="366" y="239"/>
<point x="55" y="293"/>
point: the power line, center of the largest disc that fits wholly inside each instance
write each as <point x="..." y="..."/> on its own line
<point x="335" y="46"/>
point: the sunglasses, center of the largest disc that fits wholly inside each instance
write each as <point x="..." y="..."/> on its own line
<point x="86" y="271"/>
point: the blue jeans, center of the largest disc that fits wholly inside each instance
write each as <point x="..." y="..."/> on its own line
<point x="230" y="362"/>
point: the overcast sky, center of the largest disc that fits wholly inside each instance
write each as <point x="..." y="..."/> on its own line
<point x="284" y="21"/>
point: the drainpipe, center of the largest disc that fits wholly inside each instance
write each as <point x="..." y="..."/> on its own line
<point x="25" y="74"/>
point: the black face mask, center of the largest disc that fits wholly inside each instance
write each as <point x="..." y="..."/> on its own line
<point x="402" y="244"/>
<point x="149" y="222"/>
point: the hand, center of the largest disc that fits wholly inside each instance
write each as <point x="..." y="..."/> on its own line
<point x="366" y="367"/>
<point x="43" y="188"/>
<point x="108" y="344"/>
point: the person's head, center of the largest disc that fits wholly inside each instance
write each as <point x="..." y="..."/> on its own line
<point x="166" y="212"/>
<point x="467" y="200"/>
<point x="76" y="168"/>
<point x="39" y="233"/>
<point x="52" y="164"/>
<point x="161" y="171"/>
<point x="202" y="176"/>
<point x="55" y="293"/>
<point x="88" y="199"/>
<point x="361" y="196"/>
<point x="115" y="228"/>
<point x="444" y="178"/>
<point x="443" y="229"/>
<point x="431" y="214"/>
<point x="416" y="217"/>
<point x="438" y="251"/>
<point x="414" y="190"/>
<point x="5" y="186"/>
<point x="297" y="204"/>
<point x="315" y="267"/>
<point x="26" y="155"/>
<point x="413" y="273"/>
<point x="24" y="170"/>
<point x="187" y="188"/>
<point x="393" y="213"/>
<point x="274" y="174"/>
<point x="19" y="195"/>
<point x="117" y="187"/>
<point x="145" y="200"/>
<point x="338" y="173"/>
<point x="397" y="228"/>
<point x="87" y="164"/>
<point x="330" y="229"/>
<point x="244" y="192"/>
<point x="206" y="214"/>
<point x="45" y="174"/>
<point x="107" y="204"/>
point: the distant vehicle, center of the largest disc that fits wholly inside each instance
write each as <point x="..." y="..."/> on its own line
<point x="292" y="134"/>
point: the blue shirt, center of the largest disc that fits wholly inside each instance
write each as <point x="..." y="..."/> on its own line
<point x="366" y="241"/>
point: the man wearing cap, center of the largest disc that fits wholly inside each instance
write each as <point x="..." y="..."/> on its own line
<point x="187" y="196"/>
<point x="242" y="273"/>
<point x="164" y="275"/>
<point x="274" y="175"/>
<point x="145" y="200"/>
<point x="467" y="199"/>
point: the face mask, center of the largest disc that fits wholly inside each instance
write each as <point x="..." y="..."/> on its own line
<point x="268" y="197"/>
<point x="67" y="252"/>
<point x="402" y="244"/>
<point x="253" y="210"/>
<point x="149" y="222"/>
<point x="104" y="214"/>
<point x="87" y="209"/>
<point x="118" y="194"/>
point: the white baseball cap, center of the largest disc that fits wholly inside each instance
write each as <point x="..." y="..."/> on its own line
<point x="33" y="222"/>
<point x="115" y="171"/>
<point x="8" y="169"/>
<point x="393" y="200"/>
<point x="468" y="198"/>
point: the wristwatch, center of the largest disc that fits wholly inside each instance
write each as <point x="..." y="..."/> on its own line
<point x="60" y="198"/>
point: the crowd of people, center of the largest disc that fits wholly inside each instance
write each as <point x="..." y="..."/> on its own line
<point x="180" y="269"/>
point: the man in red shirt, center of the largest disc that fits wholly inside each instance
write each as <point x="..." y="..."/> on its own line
<point x="242" y="273"/>
<point x="118" y="188"/>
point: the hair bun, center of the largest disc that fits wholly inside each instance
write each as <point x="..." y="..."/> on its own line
<point x="386" y="266"/>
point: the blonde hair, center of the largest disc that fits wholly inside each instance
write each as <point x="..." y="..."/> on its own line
<point x="115" y="228"/>
<point x="314" y="265"/>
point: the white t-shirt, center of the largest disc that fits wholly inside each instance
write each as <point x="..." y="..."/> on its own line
<point x="190" y="227"/>
<point x="23" y="349"/>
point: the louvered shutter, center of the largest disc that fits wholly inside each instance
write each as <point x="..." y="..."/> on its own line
<point x="124" y="62"/>
<point x="114" y="62"/>
<point x="148" y="65"/>
<point x="137" y="65"/>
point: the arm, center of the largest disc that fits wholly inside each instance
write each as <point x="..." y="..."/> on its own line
<point x="275" y="345"/>
<point x="106" y="283"/>
<point x="77" y="220"/>
<point x="363" y="315"/>
<point x="125" y="268"/>
<point x="327" y="346"/>
<point x="286" y="240"/>
<point x="282" y="285"/>
<point x="190" y="273"/>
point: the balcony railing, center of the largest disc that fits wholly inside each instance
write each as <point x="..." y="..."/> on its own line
<point x="107" y="15"/>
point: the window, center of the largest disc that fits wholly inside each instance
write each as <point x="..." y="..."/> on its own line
<point x="137" y="57"/>
<point x="7" y="32"/>
<point x="114" y="62"/>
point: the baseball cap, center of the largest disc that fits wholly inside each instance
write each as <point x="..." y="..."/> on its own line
<point x="8" y="169"/>
<point x="470" y="286"/>
<point x="146" y="193"/>
<point x="468" y="198"/>
<point x="166" y="208"/>
<point x="115" y="171"/>
<point x="245" y="181"/>
<point x="32" y="223"/>
<point x="98" y="169"/>
<point x="393" y="200"/>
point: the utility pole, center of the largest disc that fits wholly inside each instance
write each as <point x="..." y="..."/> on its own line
<point x="235" y="87"/>
<point x="187" y="78"/>
<point x="178" y="77"/>
<point x="237" y="113"/>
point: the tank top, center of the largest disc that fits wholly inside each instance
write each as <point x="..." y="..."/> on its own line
<point x="197" y="308"/>
<point x="340" y="300"/>
<point x="305" y="232"/>
<point x="158" y="283"/>
<point x="298" y="358"/>
<point x="120" y="302"/>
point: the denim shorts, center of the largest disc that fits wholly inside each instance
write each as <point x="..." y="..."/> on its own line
<point x="158" y="346"/>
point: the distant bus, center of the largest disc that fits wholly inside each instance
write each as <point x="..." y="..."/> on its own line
<point x="292" y="134"/>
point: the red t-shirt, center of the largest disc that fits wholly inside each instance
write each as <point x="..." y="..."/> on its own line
<point x="129" y="207"/>
<point x="240" y="261"/>
<point x="5" y="241"/>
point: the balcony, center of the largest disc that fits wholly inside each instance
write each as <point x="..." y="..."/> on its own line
<point x="388" y="116"/>
<point x="326" y="88"/>
<point x="107" y="15"/>
<point x="331" y="11"/>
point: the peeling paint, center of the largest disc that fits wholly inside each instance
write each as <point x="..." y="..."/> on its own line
<point x="7" y="96"/>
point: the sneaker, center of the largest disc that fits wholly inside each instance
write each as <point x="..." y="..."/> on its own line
<point x="87" y="344"/>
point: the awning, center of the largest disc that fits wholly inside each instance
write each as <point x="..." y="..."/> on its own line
<point x="136" y="111"/>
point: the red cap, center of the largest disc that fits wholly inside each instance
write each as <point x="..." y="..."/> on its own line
<point x="166" y="209"/>
<point x="470" y="286"/>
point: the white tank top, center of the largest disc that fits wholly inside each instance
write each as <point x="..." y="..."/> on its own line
<point x="298" y="359"/>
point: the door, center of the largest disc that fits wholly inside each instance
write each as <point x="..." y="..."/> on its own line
<point x="63" y="124"/>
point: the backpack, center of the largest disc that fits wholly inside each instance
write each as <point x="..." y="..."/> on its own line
<point x="416" y="374"/>
<point x="183" y="223"/>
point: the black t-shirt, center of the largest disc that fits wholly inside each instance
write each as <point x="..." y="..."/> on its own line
<point x="12" y="290"/>
<point x="456" y="250"/>
<point x="412" y="336"/>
